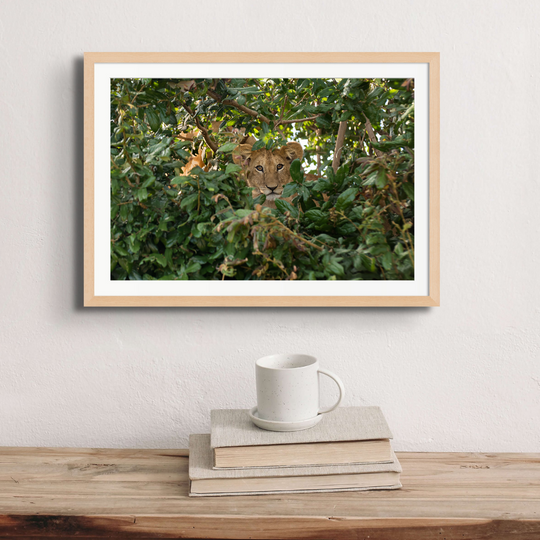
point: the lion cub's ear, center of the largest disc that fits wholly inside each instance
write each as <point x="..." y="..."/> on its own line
<point x="242" y="154"/>
<point x="292" y="151"/>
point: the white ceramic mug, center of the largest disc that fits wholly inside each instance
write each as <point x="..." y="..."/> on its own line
<point x="288" y="387"/>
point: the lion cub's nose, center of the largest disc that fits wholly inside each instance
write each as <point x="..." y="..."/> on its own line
<point x="271" y="187"/>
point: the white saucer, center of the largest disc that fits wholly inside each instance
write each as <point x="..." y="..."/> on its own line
<point x="272" y="425"/>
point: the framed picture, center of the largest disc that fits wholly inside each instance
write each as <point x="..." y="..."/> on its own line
<point x="251" y="179"/>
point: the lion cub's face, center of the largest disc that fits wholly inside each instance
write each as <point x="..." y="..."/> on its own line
<point x="267" y="171"/>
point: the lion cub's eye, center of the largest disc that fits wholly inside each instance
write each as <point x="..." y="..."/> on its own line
<point x="279" y="167"/>
<point x="259" y="168"/>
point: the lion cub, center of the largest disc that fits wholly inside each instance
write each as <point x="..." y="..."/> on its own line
<point x="267" y="171"/>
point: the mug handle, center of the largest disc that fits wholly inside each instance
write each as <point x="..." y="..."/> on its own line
<point x="340" y="386"/>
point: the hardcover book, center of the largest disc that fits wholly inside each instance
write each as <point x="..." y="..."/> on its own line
<point x="347" y="435"/>
<point x="207" y="481"/>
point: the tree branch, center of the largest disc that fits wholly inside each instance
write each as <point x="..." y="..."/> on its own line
<point x="339" y="145"/>
<point x="299" y="120"/>
<point x="372" y="136"/>
<point x="236" y="105"/>
<point x="282" y="110"/>
<point x="209" y="141"/>
<point x="255" y="114"/>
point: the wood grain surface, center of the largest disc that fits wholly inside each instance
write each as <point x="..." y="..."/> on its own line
<point x="136" y="494"/>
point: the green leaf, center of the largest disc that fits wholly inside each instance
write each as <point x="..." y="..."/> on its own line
<point x="379" y="249"/>
<point x="386" y="261"/>
<point x="193" y="267"/>
<point x="316" y="216"/>
<point x="371" y="179"/>
<point x="180" y="180"/>
<point x="260" y="199"/>
<point x="368" y="263"/>
<point x="326" y="92"/>
<point x="409" y="190"/>
<point x="335" y="268"/>
<point x="346" y="228"/>
<point x="135" y="245"/>
<point x="330" y="174"/>
<point x="230" y="250"/>
<point x="296" y="171"/>
<point x="242" y="212"/>
<point x="375" y="238"/>
<point x="326" y="238"/>
<point x="142" y="194"/>
<point x="189" y="201"/>
<point x="161" y="259"/>
<point x="230" y="237"/>
<point x="382" y="179"/>
<point x="356" y="213"/>
<point x="346" y="199"/>
<point x="153" y="119"/>
<point x="404" y="116"/>
<point x="149" y="182"/>
<point x="289" y="189"/>
<point x="284" y="206"/>
<point x="124" y="211"/>
<point x="258" y="145"/>
<point x="232" y="168"/>
<point x="228" y="147"/>
<point x="321" y="185"/>
<point x="340" y="174"/>
<point x="120" y="250"/>
<point x="304" y="191"/>
<point x="323" y="122"/>
<point x="247" y="90"/>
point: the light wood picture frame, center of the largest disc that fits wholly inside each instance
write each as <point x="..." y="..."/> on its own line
<point x="101" y="290"/>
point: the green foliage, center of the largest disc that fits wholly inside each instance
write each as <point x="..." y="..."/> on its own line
<point x="354" y="224"/>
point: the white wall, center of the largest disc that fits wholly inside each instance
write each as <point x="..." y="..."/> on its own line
<point x="465" y="376"/>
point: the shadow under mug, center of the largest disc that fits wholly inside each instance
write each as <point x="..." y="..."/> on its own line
<point x="288" y="387"/>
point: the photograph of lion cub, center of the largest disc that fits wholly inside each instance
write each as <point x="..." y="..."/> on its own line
<point x="267" y="171"/>
<point x="262" y="179"/>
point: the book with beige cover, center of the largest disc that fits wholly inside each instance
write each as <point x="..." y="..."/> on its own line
<point x="348" y="435"/>
<point x="207" y="481"/>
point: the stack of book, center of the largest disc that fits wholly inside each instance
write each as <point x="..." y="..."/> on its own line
<point x="348" y="450"/>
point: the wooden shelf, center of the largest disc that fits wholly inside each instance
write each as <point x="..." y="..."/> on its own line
<point x="136" y="494"/>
